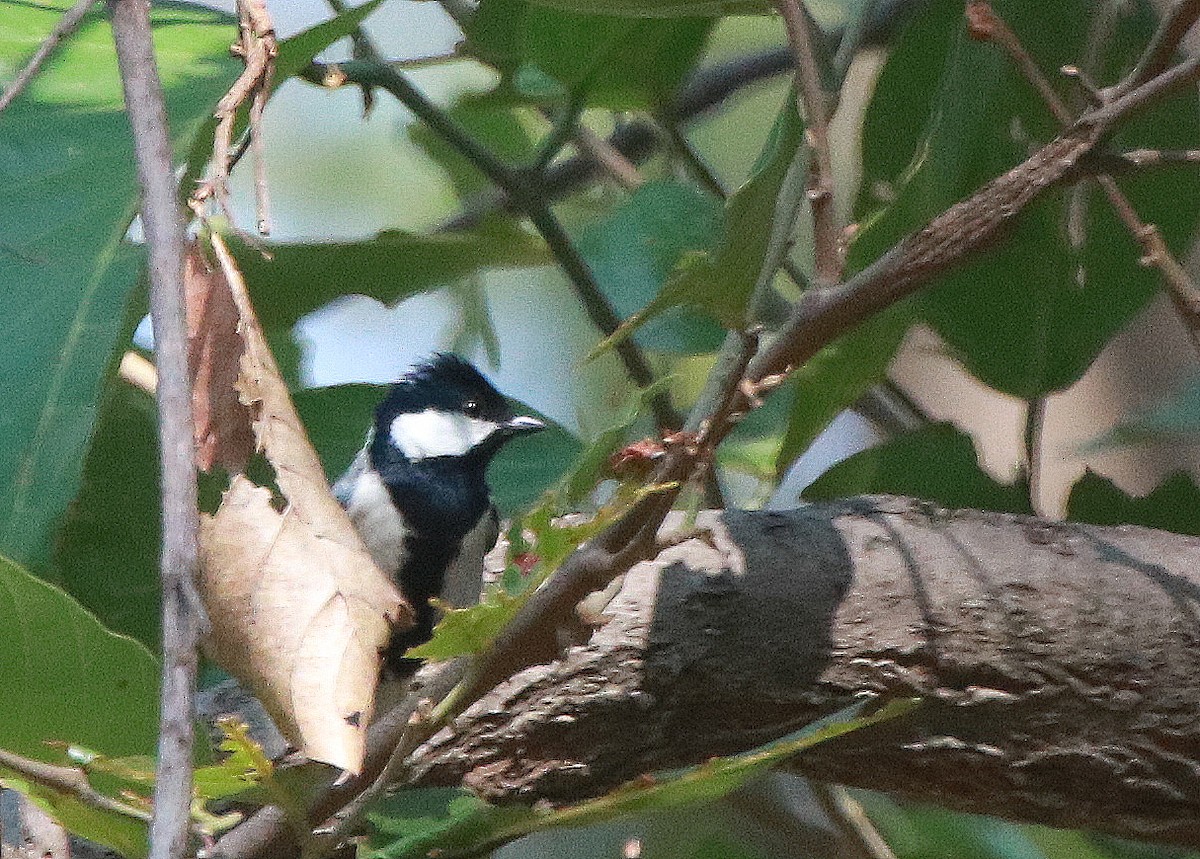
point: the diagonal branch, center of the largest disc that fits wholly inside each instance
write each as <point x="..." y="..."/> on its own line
<point x="987" y="24"/>
<point x="812" y="103"/>
<point x="66" y="25"/>
<point x="1161" y="50"/>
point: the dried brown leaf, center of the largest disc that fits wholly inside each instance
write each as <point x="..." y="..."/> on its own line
<point x="299" y="611"/>
<point x="215" y="347"/>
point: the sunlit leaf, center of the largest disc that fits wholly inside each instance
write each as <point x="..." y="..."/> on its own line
<point x="70" y="193"/>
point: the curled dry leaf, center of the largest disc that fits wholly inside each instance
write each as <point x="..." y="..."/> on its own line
<point x="299" y="611"/>
<point x="215" y="347"/>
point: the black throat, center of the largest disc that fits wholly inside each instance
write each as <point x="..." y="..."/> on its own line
<point x="441" y="499"/>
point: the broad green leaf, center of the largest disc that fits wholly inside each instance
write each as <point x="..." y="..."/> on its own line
<point x="622" y="63"/>
<point x="1029" y="315"/>
<point x="300" y="278"/>
<point x="67" y="679"/>
<point x="101" y="691"/>
<point x="922" y="832"/>
<point x="759" y="221"/>
<point x="494" y="123"/>
<point x="833" y="379"/>
<point x="107" y="551"/>
<point x="412" y="824"/>
<point x="337" y="419"/>
<point x="70" y="191"/>
<point x="1174" y="505"/>
<point x="633" y="249"/>
<point x="935" y="463"/>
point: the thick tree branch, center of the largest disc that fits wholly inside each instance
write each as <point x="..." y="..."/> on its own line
<point x="1056" y="663"/>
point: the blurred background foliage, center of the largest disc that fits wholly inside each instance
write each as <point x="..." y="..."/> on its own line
<point x="1045" y="376"/>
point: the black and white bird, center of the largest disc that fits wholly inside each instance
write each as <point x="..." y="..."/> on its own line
<point x="417" y="492"/>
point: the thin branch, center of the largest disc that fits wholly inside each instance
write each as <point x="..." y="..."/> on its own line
<point x="856" y="827"/>
<point x="68" y="780"/>
<point x="1161" y="50"/>
<point x="527" y="193"/>
<point x="619" y="168"/>
<point x="257" y="46"/>
<point x="66" y="25"/>
<point x="811" y="101"/>
<point x="1035" y="434"/>
<point x="182" y="613"/>
<point x="986" y="24"/>
<point x="562" y="129"/>
<point x="138" y="372"/>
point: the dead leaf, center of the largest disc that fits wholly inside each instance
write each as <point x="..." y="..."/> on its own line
<point x="215" y="348"/>
<point x="299" y="612"/>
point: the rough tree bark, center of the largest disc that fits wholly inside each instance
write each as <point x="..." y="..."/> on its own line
<point x="1058" y="662"/>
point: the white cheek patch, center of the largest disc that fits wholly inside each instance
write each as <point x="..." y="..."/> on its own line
<point x="421" y="435"/>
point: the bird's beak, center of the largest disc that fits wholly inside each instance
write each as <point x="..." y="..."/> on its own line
<point x="522" y="424"/>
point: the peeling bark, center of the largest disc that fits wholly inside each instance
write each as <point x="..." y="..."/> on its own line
<point x="1058" y="662"/>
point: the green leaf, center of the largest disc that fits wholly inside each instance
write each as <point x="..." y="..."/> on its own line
<point x="663" y="8"/>
<point x="300" y="278"/>
<point x="296" y="52"/>
<point x="935" y="463"/>
<point x="412" y="824"/>
<point x="124" y="834"/>
<point x="833" y="379"/>
<point x="107" y="551"/>
<point x="70" y="193"/>
<point x="759" y="221"/>
<point x="633" y="249"/>
<point x="337" y="419"/>
<point x="99" y="690"/>
<point x="622" y="63"/>
<point x="491" y="121"/>
<point x="1028" y="316"/>
<point x="1174" y="505"/>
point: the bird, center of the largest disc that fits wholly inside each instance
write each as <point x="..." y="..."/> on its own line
<point x="417" y="492"/>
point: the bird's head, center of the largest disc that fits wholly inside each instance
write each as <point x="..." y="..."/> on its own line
<point x="445" y="407"/>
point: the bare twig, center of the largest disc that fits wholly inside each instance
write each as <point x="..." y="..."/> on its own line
<point x="66" y="25"/>
<point x="528" y="196"/>
<point x="182" y="612"/>
<point x="856" y="827"/>
<point x="622" y="170"/>
<point x="1159" y="53"/>
<point x="138" y="372"/>
<point x="986" y="24"/>
<point x="811" y="101"/>
<point x="69" y="780"/>
<point x="257" y="47"/>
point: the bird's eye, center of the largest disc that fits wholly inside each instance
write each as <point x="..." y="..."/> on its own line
<point x="471" y="408"/>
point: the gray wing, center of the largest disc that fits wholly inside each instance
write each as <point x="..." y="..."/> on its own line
<point x="464" y="576"/>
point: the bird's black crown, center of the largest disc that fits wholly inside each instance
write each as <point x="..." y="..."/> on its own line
<point x="447" y="383"/>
